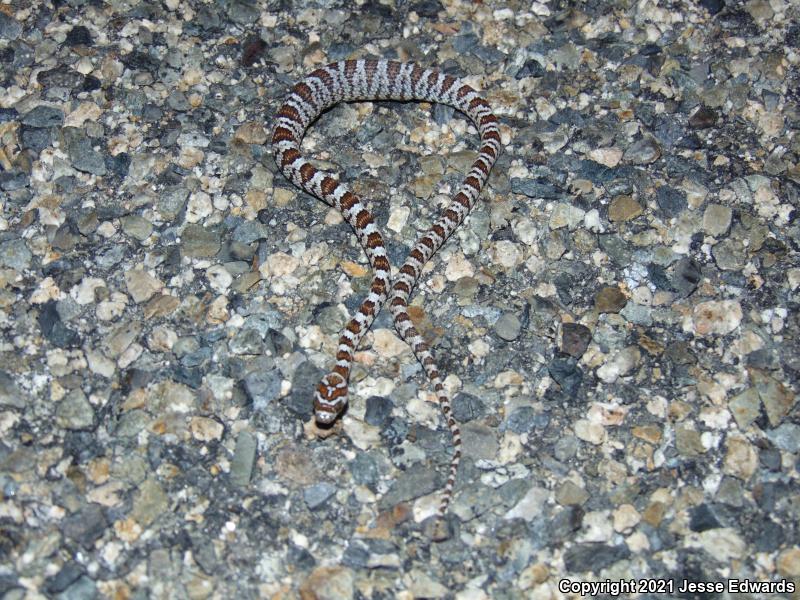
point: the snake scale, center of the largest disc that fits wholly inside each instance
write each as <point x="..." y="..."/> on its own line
<point x="368" y="80"/>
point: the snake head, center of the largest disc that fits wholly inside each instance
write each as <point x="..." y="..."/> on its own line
<point x="330" y="398"/>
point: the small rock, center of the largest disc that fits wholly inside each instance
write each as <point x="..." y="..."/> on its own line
<point x="620" y="364"/>
<point x="86" y="526"/>
<point x="594" y="557"/>
<point x="137" y="227"/>
<point x="718" y="317"/>
<point x="198" y="242"/>
<point x="643" y="152"/>
<point x="745" y="407"/>
<point x="82" y="154"/>
<point x="78" y="36"/>
<point x="608" y="157"/>
<point x="565" y="215"/>
<point x="467" y="407"/>
<point x="508" y="326"/>
<point x="149" y="503"/>
<point x="686" y="276"/>
<point x="672" y="202"/>
<point x="74" y="411"/>
<point x="786" y="437"/>
<point x="741" y="460"/>
<point x="534" y="189"/>
<point x="722" y="544"/>
<point x="575" y="339"/>
<point x="688" y="442"/>
<point x="610" y="299"/>
<point x="703" y="118"/>
<point x="702" y="518"/>
<point x="480" y="441"/>
<point x="788" y="562"/>
<point x="10" y="28"/>
<point x="15" y="255"/>
<point x="570" y="494"/>
<point x="567" y="374"/>
<point x="264" y="386"/>
<point x="778" y="400"/>
<point x="418" y="480"/>
<point x="11" y="395"/>
<point x="328" y="583"/>
<point x="530" y="506"/>
<point x="364" y="469"/>
<point x="378" y="411"/>
<point x="624" y="208"/>
<point x="141" y="285"/>
<point x="316" y="495"/>
<point x="247" y="341"/>
<point x="205" y="430"/>
<point x="717" y="219"/>
<point x="43" y="116"/>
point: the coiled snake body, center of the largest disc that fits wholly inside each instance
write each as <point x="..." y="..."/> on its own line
<point x="382" y="80"/>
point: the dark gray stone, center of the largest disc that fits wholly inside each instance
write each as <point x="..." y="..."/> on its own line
<point x="379" y="409"/>
<point x="263" y="387"/>
<point x="246" y="341"/>
<point x="86" y="526"/>
<point x="82" y="154"/>
<point x="584" y="558"/>
<point x="672" y="202"/>
<point x="10" y="28"/>
<point x="418" y="480"/>
<point x="11" y="395"/>
<point x="316" y="495"/>
<point x="703" y="518"/>
<point x="534" y="189"/>
<point x="43" y="116"/>
<point x="567" y="374"/>
<point x="11" y="181"/>
<point x="54" y="329"/>
<point x="15" y="254"/>
<point x="467" y="407"/>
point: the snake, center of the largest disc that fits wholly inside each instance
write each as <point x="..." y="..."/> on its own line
<point x="380" y="80"/>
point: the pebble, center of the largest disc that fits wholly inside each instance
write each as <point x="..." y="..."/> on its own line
<point x="715" y="317"/>
<point x="624" y="208"/>
<point x="567" y="374"/>
<point x="508" y="326"/>
<point x="570" y="494"/>
<point x="717" y="219"/>
<point x="645" y="151"/>
<point x="74" y="411"/>
<point x="198" y="242"/>
<point x="328" y="583"/>
<point x="609" y="299"/>
<point x="786" y="437"/>
<point x="318" y="494"/>
<point x="703" y="118"/>
<point x="43" y="116"/>
<point x="141" y="285"/>
<point x="591" y="558"/>
<point x="575" y="339"/>
<point x="565" y="215"/>
<point x="467" y="407"/>
<point x="745" y="407"/>
<point x="137" y="227"/>
<point x="379" y="409"/>
<point x="530" y="505"/>
<point x="11" y="395"/>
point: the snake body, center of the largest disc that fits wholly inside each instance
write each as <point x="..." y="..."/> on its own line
<point x="367" y="80"/>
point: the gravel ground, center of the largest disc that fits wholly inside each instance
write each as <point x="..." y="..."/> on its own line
<point x="618" y="317"/>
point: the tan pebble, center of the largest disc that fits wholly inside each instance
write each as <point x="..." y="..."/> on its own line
<point x="788" y="562"/>
<point x="205" y="429"/>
